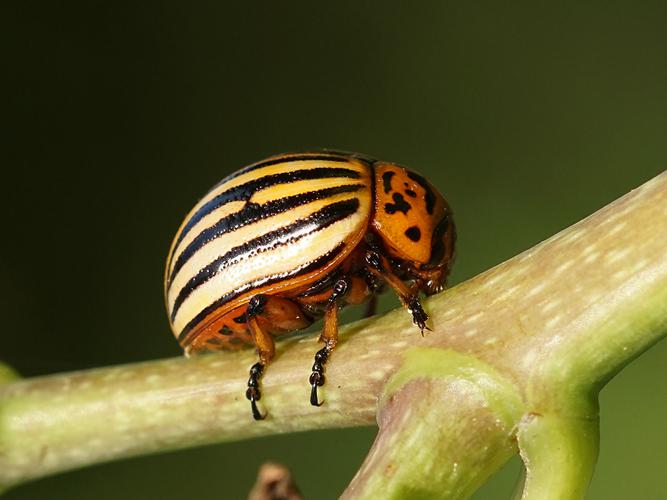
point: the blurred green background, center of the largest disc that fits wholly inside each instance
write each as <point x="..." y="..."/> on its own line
<point x="118" y="115"/>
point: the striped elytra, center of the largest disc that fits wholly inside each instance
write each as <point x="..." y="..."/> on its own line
<point x="281" y="242"/>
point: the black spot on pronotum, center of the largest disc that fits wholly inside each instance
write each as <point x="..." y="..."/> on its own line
<point x="386" y="180"/>
<point x="399" y="205"/>
<point x="414" y="233"/>
<point x="410" y="193"/>
<point x="429" y="196"/>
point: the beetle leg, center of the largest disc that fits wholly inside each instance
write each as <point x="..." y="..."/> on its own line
<point x="380" y="268"/>
<point x="265" y="348"/>
<point x="371" y="306"/>
<point x="329" y="336"/>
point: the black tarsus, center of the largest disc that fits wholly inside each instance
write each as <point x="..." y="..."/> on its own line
<point x="317" y="378"/>
<point x="253" y="393"/>
<point x="419" y="316"/>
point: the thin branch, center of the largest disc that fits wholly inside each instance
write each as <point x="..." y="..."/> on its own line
<point x="274" y="482"/>
<point x="555" y="323"/>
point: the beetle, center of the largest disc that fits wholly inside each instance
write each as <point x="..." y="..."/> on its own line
<point x="292" y="238"/>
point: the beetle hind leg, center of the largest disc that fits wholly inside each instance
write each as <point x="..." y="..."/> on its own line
<point x="265" y="348"/>
<point x="266" y="315"/>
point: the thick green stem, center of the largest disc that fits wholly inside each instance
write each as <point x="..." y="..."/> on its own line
<point x="559" y="454"/>
<point x="554" y="324"/>
<point x="425" y="448"/>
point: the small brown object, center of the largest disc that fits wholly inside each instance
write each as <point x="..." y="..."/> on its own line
<point x="274" y="482"/>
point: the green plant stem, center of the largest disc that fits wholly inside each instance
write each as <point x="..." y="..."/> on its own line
<point x="555" y="323"/>
<point x="559" y="454"/>
<point x="425" y="413"/>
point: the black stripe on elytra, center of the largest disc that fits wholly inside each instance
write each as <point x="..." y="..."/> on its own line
<point x="251" y="213"/>
<point x="275" y="160"/>
<point x="438" y="243"/>
<point x="323" y="283"/>
<point x="285" y="235"/>
<point x="245" y="191"/>
<point x="430" y="197"/>
<point x="267" y="280"/>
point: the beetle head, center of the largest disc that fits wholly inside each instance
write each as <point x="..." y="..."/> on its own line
<point x="415" y="223"/>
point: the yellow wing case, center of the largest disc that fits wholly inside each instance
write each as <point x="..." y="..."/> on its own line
<point x="275" y="225"/>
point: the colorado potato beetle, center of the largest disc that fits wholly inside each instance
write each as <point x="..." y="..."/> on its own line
<point x="292" y="238"/>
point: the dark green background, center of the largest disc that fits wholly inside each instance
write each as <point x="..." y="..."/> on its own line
<point x="117" y="117"/>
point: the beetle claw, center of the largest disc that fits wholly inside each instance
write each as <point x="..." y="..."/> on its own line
<point x="419" y="316"/>
<point x="317" y="376"/>
<point x="255" y="411"/>
<point x="313" y="396"/>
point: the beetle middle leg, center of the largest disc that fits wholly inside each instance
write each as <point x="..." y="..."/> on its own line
<point x="329" y="336"/>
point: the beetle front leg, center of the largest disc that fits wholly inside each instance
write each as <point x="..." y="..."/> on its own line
<point x="329" y="336"/>
<point x="380" y="268"/>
